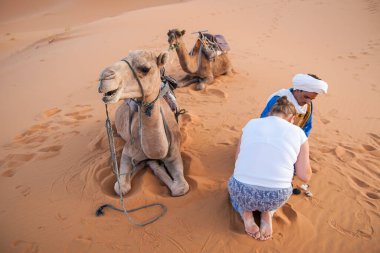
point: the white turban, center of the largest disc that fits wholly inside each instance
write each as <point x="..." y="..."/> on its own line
<point x="308" y="83"/>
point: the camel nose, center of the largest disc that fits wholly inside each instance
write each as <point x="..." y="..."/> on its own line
<point x="101" y="88"/>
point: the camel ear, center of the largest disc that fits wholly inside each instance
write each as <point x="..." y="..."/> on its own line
<point x="162" y="58"/>
<point x="183" y="32"/>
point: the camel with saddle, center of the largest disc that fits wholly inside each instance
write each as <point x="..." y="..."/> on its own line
<point x="146" y="122"/>
<point x="208" y="58"/>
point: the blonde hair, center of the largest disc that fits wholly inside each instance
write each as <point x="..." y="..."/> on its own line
<point x="283" y="106"/>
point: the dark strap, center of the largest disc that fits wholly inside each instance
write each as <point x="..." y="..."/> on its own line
<point x="136" y="77"/>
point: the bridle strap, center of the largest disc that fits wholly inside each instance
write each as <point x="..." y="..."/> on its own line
<point x="147" y="105"/>
<point x="136" y="77"/>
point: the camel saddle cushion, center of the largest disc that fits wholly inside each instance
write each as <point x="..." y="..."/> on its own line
<point x="214" y="45"/>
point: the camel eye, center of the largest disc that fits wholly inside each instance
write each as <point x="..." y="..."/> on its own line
<point x="144" y="69"/>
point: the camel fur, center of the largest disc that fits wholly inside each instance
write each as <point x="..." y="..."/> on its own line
<point x="151" y="144"/>
<point x="199" y="68"/>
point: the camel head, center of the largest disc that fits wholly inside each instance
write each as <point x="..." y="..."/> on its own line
<point x="118" y="81"/>
<point x="173" y="36"/>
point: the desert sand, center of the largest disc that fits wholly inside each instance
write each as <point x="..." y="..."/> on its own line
<point x="55" y="167"/>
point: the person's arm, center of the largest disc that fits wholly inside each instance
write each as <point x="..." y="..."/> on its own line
<point x="269" y="106"/>
<point x="303" y="169"/>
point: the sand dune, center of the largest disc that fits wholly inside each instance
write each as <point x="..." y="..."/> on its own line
<point x="55" y="167"/>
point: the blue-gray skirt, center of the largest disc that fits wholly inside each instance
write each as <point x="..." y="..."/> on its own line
<point x="245" y="197"/>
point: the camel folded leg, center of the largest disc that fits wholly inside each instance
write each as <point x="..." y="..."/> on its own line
<point x="161" y="173"/>
<point x="175" y="168"/>
<point x="127" y="172"/>
<point x="189" y="80"/>
<point x="202" y="83"/>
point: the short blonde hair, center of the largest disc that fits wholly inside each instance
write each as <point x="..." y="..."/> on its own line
<point x="284" y="106"/>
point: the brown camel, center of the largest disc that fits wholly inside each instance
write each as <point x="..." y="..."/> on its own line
<point x="199" y="68"/>
<point x="148" y="126"/>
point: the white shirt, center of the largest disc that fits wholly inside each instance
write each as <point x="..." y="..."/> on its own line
<point x="268" y="150"/>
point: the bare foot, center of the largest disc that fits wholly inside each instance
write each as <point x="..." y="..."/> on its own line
<point x="250" y="226"/>
<point x="266" y="225"/>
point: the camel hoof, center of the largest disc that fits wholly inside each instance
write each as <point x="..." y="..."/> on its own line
<point x="200" y="86"/>
<point x="125" y="188"/>
<point x="179" y="188"/>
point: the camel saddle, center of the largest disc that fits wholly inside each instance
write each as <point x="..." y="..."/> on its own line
<point x="212" y="45"/>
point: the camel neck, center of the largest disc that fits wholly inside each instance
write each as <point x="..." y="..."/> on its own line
<point x="187" y="63"/>
<point x="154" y="141"/>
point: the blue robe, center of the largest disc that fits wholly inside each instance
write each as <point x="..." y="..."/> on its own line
<point x="273" y="100"/>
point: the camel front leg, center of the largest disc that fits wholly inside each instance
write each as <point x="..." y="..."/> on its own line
<point x="161" y="173"/>
<point x="174" y="165"/>
<point x="202" y="83"/>
<point x="192" y="80"/>
<point x="126" y="174"/>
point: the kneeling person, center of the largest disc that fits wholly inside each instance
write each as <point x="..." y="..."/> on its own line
<point x="269" y="149"/>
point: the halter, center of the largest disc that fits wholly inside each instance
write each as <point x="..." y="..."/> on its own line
<point x="147" y="106"/>
<point x="175" y="45"/>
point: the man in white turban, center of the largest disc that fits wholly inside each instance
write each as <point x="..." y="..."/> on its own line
<point x="306" y="88"/>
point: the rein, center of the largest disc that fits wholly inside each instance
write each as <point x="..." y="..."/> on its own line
<point x="116" y="171"/>
<point x="148" y="107"/>
<point x="174" y="46"/>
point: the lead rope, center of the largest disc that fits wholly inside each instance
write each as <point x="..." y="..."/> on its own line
<point x="116" y="171"/>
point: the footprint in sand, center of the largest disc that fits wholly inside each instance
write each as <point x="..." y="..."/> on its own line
<point x="286" y="215"/>
<point x="218" y="93"/>
<point x="375" y="138"/>
<point x="60" y="217"/>
<point x="371" y="166"/>
<point x="24" y="246"/>
<point x="359" y="182"/>
<point x="79" y="245"/>
<point x="24" y="190"/>
<point x="372" y="6"/>
<point x="8" y="173"/>
<point x="13" y="161"/>
<point x="372" y="195"/>
<point x="325" y="121"/>
<point x="368" y="147"/>
<point x="73" y="118"/>
<point x="352" y="56"/>
<point x="343" y="154"/>
<point x="48" y="152"/>
<point x="34" y="136"/>
<point x="51" y="112"/>
<point x="80" y="115"/>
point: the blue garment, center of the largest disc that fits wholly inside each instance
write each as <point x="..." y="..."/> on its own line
<point x="273" y="100"/>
